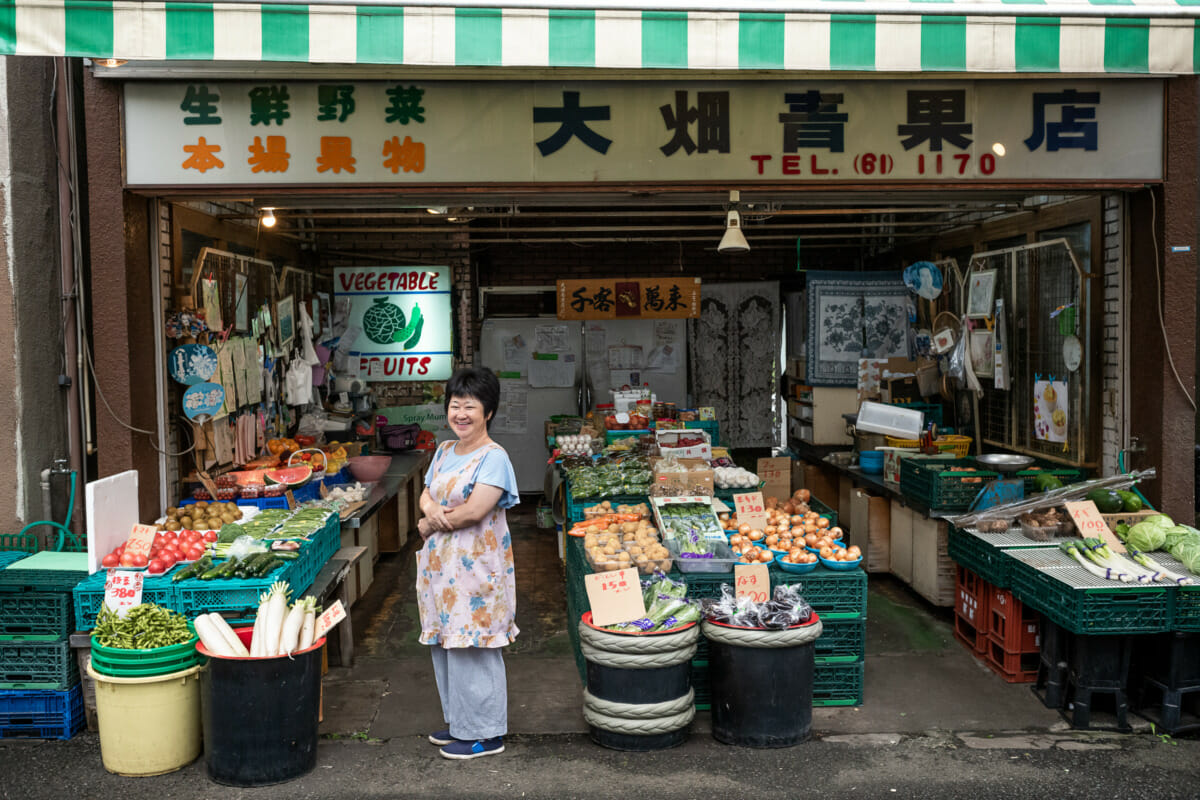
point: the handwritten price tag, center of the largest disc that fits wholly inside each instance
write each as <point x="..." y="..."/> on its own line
<point x="753" y="581"/>
<point x="140" y="540"/>
<point x="122" y="590"/>
<point x="751" y="510"/>
<point x="615" y="596"/>
<point x="329" y="617"/>
<point x="291" y="498"/>
<point x="1087" y="519"/>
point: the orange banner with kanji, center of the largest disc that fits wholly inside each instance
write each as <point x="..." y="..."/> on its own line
<point x="629" y="298"/>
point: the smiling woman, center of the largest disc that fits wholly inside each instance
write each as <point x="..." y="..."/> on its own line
<point x="465" y="582"/>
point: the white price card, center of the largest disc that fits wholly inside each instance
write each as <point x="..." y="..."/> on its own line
<point x="329" y="617"/>
<point x="123" y="590"/>
<point x="750" y="510"/>
<point x="753" y="581"/>
<point x="615" y="597"/>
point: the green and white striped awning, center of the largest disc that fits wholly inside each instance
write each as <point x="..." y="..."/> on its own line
<point x="905" y="36"/>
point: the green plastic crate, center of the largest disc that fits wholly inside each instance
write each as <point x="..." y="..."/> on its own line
<point x="929" y="482"/>
<point x="89" y="595"/>
<point x="827" y="591"/>
<point x="1185" y="610"/>
<point x="37" y="665"/>
<point x="825" y="511"/>
<point x="1065" y="474"/>
<point x="35" y="616"/>
<point x="843" y="639"/>
<point x="701" y="686"/>
<point x="838" y="685"/>
<point x="1083" y="603"/>
<point x="984" y="555"/>
<point x="574" y="507"/>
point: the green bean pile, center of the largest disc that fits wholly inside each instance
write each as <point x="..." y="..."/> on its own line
<point x="145" y="627"/>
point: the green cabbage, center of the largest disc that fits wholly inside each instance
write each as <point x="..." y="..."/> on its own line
<point x="1178" y="536"/>
<point x="1158" y="520"/>
<point x="1191" y="558"/>
<point x="1146" y="537"/>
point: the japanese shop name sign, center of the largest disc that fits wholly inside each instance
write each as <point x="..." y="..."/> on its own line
<point x="629" y="298"/>
<point x="400" y="325"/>
<point x="393" y="132"/>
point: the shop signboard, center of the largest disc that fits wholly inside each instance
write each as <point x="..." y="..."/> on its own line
<point x="800" y="130"/>
<point x="629" y="298"/>
<point x="400" y="321"/>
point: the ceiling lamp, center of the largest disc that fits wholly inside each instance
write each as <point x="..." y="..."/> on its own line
<point x="733" y="241"/>
<point x="111" y="63"/>
<point x="268" y="217"/>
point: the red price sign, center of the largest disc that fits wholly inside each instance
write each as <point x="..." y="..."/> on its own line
<point x="329" y="617"/>
<point x="1087" y="519"/>
<point x="753" y="581"/>
<point x="140" y="540"/>
<point x="751" y="510"/>
<point x="615" y="596"/>
<point x="122" y="590"/>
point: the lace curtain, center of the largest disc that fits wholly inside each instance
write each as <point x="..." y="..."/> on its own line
<point x="733" y="350"/>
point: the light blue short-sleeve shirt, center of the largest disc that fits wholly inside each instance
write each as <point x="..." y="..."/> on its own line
<point x="495" y="470"/>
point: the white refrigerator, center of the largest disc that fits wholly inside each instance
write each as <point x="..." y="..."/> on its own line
<point x="542" y="362"/>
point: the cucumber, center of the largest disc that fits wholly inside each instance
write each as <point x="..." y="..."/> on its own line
<point x="193" y="570"/>
<point x="285" y="555"/>
<point x="212" y="572"/>
<point x="231" y="566"/>
<point x="223" y="570"/>
<point x="267" y="567"/>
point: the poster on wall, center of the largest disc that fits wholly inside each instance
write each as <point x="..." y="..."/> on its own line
<point x="1050" y="404"/>
<point x="406" y="327"/>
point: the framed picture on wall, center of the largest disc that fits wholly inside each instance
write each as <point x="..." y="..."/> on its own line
<point x="285" y="320"/>
<point x="981" y="293"/>
<point x="981" y="348"/>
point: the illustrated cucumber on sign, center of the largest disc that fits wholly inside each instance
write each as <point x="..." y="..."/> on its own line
<point x="384" y="323"/>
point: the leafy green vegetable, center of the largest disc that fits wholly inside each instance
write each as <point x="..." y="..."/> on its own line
<point x="1161" y="520"/>
<point x="1146" y="537"/>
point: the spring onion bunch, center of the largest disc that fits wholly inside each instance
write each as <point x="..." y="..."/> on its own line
<point x="1097" y="558"/>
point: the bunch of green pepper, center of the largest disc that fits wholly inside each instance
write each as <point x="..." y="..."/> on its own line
<point x="144" y="627"/>
<point x="631" y="477"/>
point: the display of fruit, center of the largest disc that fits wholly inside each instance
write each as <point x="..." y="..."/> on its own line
<point x="292" y="477"/>
<point x="168" y="549"/>
<point x="798" y="555"/>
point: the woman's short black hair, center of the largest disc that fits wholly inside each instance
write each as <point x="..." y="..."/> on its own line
<point x="479" y="383"/>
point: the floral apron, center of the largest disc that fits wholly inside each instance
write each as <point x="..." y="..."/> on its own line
<point x="466" y="589"/>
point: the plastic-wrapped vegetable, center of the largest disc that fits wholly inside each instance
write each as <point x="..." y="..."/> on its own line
<point x="785" y="608"/>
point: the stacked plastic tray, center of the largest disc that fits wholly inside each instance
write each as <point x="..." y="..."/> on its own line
<point x="984" y="553"/>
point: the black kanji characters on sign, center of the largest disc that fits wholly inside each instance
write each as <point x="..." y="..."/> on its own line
<point x="813" y="121"/>
<point x="404" y="104"/>
<point x="269" y="104"/>
<point x="711" y="116"/>
<point x="335" y="102"/>
<point x="935" y="116"/>
<point x="673" y="298"/>
<point x="572" y="120"/>
<point x="1077" y="128"/>
<point x="654" y="301"/>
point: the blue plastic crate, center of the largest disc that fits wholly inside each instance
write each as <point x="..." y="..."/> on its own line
<point x="89" y="595"/>
<point x="256" y="502"/>
<point x="37" y="665"/>
<point x="41" y="714"/>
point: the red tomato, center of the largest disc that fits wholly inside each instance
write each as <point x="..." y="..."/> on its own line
<point x="126" y="560"/>
<point x="169" y="559"/>
<point x="140" y="561"/>
<point x="110" y="560"/>
<point x="210" y="536"/>
<point x="156" y="566"/>
<point x="195" y="552"/>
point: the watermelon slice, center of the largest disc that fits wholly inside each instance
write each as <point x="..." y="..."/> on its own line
<point x="292" y="476"/>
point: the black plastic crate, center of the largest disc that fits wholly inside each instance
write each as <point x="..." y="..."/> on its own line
<point x="929" y="482"/>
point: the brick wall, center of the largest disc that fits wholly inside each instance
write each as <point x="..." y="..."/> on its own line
<point x="1113" y="383"/>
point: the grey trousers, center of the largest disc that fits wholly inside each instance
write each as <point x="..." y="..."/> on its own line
<point x="473" y="689"/>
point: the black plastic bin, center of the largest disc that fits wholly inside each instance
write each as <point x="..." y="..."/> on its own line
<point x="761" y="696"/>
<point x="260" y="716"/>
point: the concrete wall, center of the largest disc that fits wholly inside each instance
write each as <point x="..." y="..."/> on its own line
<point x="32" y="406"/>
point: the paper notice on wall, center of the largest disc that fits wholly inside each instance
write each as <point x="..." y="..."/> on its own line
<point x="664" y="358"/>
<point x="212" y="304"/>
<point x="552" y="370"/>
<point x="625" y="356"/>
<point x="1050" y="404"/>
<point x="597" y="345"/>
<point x="665" y="331"/>
<point x="225" y="370"/>
<point x="253" y="371"/>
<point x="550" y="339"/>
<point x="516" y="355"/>
<point x="239" y="371"/>
<point x="512" y="414"/>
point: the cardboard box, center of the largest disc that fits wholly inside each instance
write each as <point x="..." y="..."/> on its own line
<point x="933" y="572"/>
<point x="897" y="389"/>
<point x="777" y="472"/>
<point x="901" y="557"/>
<point x="699" y="479"/>
<point x="845" y="487"/>
<point x="879" y="536"/>
<point x="667" y="443"/>
<point x="822" y="484"/>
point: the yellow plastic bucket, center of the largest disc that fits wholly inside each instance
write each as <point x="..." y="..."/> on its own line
<point x="151" y="725"/>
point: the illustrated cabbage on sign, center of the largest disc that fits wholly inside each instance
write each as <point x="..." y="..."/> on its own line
<point x="382" y="321"/>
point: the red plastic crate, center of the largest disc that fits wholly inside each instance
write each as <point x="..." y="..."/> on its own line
<point x="1010" y="624"/>
<point x="1012" y="667"/>
<point x="974" y="639"/>
<point x="971" y="598"/>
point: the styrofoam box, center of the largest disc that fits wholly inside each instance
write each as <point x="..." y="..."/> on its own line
<point x="903" y="423"/>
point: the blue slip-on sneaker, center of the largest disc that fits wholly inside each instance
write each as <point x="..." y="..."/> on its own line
<point x="462" y="750"/>
<point x="441" y="738"/>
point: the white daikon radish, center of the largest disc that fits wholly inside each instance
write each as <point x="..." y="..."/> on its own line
<point x="231" y="638"/>
<point x="310" y="623"/>
<point x="213" y="641"/>
<point x="289" y="636"/>
<point x="273" y="625"/>
<point x="256" y="638"/>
